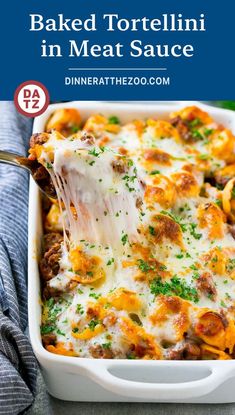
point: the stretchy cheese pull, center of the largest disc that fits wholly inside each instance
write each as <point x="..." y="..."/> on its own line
<point x="99" y="189"/>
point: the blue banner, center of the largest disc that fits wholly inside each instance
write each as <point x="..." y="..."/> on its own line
<point x="119" y="50"/>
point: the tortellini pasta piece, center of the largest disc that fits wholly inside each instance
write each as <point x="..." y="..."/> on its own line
<point x="65" y="120"/>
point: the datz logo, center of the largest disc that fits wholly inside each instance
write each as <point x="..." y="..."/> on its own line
<point x="113" y="23"/>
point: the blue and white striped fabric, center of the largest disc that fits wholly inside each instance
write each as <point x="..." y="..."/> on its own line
<point x="18" y="367"/>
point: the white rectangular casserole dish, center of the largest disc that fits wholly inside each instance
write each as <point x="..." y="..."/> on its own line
<point x="80" y="379"/>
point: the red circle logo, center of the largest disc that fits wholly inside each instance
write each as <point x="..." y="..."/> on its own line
<point x="31" y="98"/>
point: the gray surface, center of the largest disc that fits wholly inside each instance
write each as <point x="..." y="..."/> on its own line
<point x="46" y="405"/>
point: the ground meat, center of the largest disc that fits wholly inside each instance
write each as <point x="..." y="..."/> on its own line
<point x="48" y="339"/>
<point x="49" y="292"/>
<point x="88" y="138"/>
<point x="50" y="239"/>
<point x="100" y="352"/>
<point x="139" y="202"/>
<point x="38" y="138"/>
<point x="206" y="285"/>
<point x="182" y="128"/>
<point x="49" y="264"/>
<point x="188" y="350"/>
<point x="54" y="292"/>
<point x="119" y="166"/>
<point x="140" y="350"/>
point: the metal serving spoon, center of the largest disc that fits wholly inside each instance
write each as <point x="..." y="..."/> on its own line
<point x="37" y="171"/>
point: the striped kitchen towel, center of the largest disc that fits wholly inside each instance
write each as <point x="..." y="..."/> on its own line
<point x="18" y="367"/>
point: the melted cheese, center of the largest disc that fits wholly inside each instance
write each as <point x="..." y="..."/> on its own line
<point x="100" y="202"/>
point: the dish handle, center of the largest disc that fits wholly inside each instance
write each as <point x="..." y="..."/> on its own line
<point x="121" y="379"/>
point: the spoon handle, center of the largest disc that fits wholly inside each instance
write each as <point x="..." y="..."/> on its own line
<point x="13" y="159"/>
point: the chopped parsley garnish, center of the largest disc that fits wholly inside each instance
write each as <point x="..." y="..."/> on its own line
<point x="193" y="231"/>
<point x="130" y="179"/>
<point x="208" y="131"/>
<point x="214" y="259"/>
<point x="113" y="120"/>
<point x="176" y="286"/>
<point x="124" y="239"/>
<point x="144" y="266"/>
<point x="50" y="303"/>
<point x="222" y="303"/>
<point x="48" y="165"/>
<point x="110" y="261"/>
<point x="204" y="156"/>
<point x="94" y="152"/>
<point x="152" y="230"/>
<point x="195" y="123"/>
<point x="58" y="331"/>
<point x="197" y="135"/>
<point x="92" y="324"/>
<point x="52" y="311"/>
<point x="218" y="202"/>
<point x="74" y="128"/>
<point x="94" y="295"/>
<point x="193" y="267"/>
<point x="75" y="330"/>
<point x="196" y="275"/>
<point x="153" y="172"/>
<point x="106" y="345"/>
<point x="130" y="356"/>
<point x="179" y="256"/>
<point x="230" y="265"/>
<point x="79" y="309"/>
<point x="47" y="329"/>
